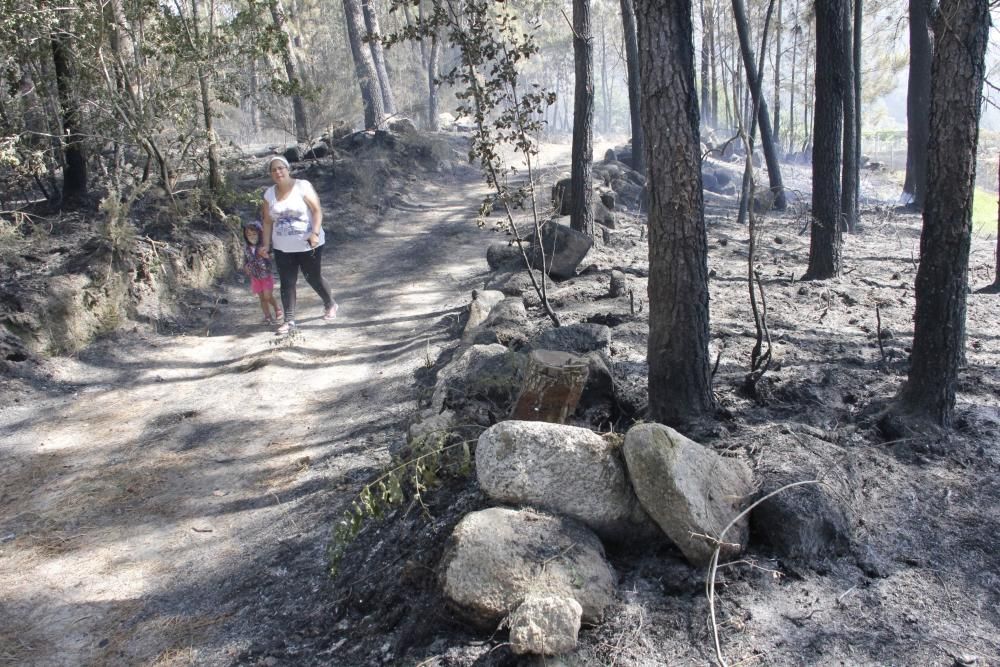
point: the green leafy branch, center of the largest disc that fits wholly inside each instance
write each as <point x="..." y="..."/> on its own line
<point x="494" y="43"/>
<point x="415" y="471"/>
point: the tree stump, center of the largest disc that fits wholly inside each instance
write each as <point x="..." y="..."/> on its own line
<point x="552" y="386"/>
<point x="619" y="284"/>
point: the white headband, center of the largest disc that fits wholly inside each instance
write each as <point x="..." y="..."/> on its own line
<point x="277" y="158"/>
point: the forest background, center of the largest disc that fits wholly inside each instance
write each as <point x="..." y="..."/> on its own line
<point x="139" y="87"/>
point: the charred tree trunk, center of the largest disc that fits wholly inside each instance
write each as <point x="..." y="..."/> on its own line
<point x="371" y="94"/>
<point x="826" y="240"/>
<point x="779" y="29"/>
<point x="791" y="101"/>
<point x="807" y="99"/>
<point x="763" y="115"/>
<point x="634" y="91"/>
<point x="849" y="177"/>
<point x="378" y="57"/>
<point x="918" y="104"/>
<point x="961" y="29"/>
<point x="74" y="161"/>
<point x="606" y="92"/>
<point x="705" y="57"/>
<point x="714" y="113"/>
<point x="582" y="193"/>
<point x="858" y="24"/>
<point x="679" y="375"/>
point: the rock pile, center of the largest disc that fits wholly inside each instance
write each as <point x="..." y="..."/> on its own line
<point x="535" y="561"/>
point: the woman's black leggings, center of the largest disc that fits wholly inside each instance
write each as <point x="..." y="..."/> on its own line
<point x="288" y="264"/>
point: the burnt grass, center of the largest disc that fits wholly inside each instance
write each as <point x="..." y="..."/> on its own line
<point x="916" y="579"/>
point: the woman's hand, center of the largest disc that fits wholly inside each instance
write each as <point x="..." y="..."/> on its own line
<point x="263" y="252"/>
<point x="313" y="239"/>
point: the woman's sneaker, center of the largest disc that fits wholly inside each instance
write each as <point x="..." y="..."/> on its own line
<point x="331" y="312"/>
<point x="287" y="327"/>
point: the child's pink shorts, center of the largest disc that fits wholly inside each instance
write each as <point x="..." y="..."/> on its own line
<point x="258" y="285"/>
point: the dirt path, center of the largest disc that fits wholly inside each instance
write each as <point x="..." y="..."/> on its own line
<point x="157" y="489"/>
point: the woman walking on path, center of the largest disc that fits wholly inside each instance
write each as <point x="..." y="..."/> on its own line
<point x="293" y="227"/>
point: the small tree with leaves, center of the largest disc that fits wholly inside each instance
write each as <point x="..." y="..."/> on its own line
<point x="493" y="43"/>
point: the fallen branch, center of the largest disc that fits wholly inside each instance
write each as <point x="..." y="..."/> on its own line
<point x="878" y="332"/>
<point x="714" y="564"/>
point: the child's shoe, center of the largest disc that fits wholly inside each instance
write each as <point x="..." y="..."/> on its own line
<point x="279" y="315"/>
<point x="268" y="320"/>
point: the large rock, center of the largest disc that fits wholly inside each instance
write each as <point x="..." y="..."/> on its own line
<point x="806" y="523"/>
<point x="502" y="255"/>
<point x="565" y="469"/>
<point x="597" y="402"/>
<point x="318" y="150"/>
<point x="508" y="323"/>
<point x="608" y="199"/>
<point x="403" y="126"/>
<point x="545" y="625"/>
<point x="495" y="558"/>
<point x="564" y="249"/>
<point x="486" y="373"/>
<point x="603" y="215"/>
<point x="618" y="285"/>
<point x="515" y="282"/>
<point x="688" y="490"/>
<point x="433" y="429"/>
<point x="631" y="390"/>
<point x="561" y="195"/>
<point x="294" y="153"/>
<point x="606" y="172"/>
<point x="628" y="193"/>
<point x="578" y="338"/>
<point x="802" y="523"/>
<point x="482" y="304"/>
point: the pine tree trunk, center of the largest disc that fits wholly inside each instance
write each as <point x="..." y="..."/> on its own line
<point x="858" y="25"/>
<point x="826" y="240"/>
<point x="409" y="22"/>
<point x="726" y="89"/>
<point x="606" y="92"/>
<point x="961" y="30"/>
<point x="679" y="375"/>
<point x="705" y="57"/>
<point x="582" y="192"/>
<point x="807" y="105"/>
<point x="378" y="57"/>
<point x="763" y="115"/>
<point x="371" y="94"/>
<point x="779" y="29"/>
<point x="215" y="183"/>
<point x="432" y="84"/>
<point x="634" y="92"/>
<point x="298" y="103"/>
<point x="918" y="102"/>
<point x="849" y="176"/>
<point x="791" y="97"/>
<point x="714" y="115"/>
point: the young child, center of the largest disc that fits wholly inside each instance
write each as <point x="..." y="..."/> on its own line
<point x="259" y="270"/>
